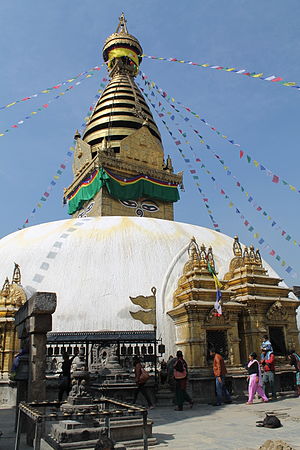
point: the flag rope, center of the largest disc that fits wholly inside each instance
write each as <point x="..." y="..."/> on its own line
<point x="63" y="165"/>
<point x="242" y="154"/>
<point x="284" y="234"/>
<point x="261" y="242"/>
<point x="258" y="75"/>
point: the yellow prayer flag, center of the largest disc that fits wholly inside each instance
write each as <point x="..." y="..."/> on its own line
<point x="230" y="205"/>
<point x="292" y="187"/>
<point x="205" y="65"/>
<point x="34" y="112"/>
<point x="71" y="79"/>
<point x="289" y="83"/>
<point x="45" y="91"/>
<point x="229" y="70"/>
<point x="10" y="104"/>
<point x="256" y="163"/>
<point x="197" y="115"/>
<point x="257" y="75"/>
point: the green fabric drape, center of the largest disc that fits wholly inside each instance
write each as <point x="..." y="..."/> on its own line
<point x="139" y="189"/>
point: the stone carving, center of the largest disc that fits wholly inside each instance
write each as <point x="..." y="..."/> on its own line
<point x="277" y="312"/>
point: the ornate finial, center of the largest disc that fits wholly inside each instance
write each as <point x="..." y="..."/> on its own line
<point x="203" y="255"/>
<point x="258" y="257"/>
<point x="104" y="144"/>
<point x="122" y="27"/>
<point x="252" y="254"/>
<point x="77" y="135"/>
<point x="237" y="249"/>
<point x="193" y="249"/>
<point x="168" y="165"/>
<point x="17" y="274"/>
<point x="246" y="255"/>
<point x="210" y="258"/>
<point x="5" y="288"/>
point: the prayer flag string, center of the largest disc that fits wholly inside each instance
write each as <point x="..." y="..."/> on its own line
<point x="257" y="235"/>
<point x="44" y="106"/>
<point x="258" y="75"/>
<point x="276" y="179"/>
<point x="63" y="165"/>
<point x="274" y="223"/>
<point x="49" y="89"/>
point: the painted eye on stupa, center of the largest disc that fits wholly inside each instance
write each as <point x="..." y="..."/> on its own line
<point x="129" y="203"/>
<point x="151" y="207"/>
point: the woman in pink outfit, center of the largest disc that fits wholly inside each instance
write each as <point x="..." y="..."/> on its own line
<point x="255" y="380"/>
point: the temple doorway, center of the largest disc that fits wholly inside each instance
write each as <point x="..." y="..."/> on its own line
<point x="278" y="340"/>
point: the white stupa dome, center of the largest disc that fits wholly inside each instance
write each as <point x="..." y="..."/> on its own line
<point x="94" y="264"/>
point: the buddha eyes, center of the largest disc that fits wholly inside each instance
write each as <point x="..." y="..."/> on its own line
<point x="140" y="206"/>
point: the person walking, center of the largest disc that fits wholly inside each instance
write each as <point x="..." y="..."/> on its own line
<point x="65" y="381"/>
<point x="268" y="365"/>
<point x="219" y="373"/>
<point x="180" y="372"/>
<point x="255" y="380"/>
<point x="295" y="361"/>
<point x="141" y="376"/>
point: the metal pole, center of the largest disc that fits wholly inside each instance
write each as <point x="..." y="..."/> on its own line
<point x="155" y="358"/>
<point x="145" y="437"/>
<point x="18" y="432"/>
<point x="107" y="425"/>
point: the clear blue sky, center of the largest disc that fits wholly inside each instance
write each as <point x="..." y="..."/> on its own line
<point x="46" y="42"/>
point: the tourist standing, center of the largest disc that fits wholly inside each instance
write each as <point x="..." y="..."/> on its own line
<point x="180" y="371"/>
<point x="268" y="365"/>
<point x="255" y="380"/>
<point x="219" y="373"/>
<point x="141" y="376"/>
<point x="295" y="361"/>
<point x="65" y="380"/>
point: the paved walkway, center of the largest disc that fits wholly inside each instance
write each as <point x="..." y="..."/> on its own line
<point x="205" y="427"/>
<point x="226" y="427"/>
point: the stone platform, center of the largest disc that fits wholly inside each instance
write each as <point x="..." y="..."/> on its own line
<point x="204" y="427"/>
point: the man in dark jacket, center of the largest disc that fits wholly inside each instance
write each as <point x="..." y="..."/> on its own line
<point x="268" y="366"/>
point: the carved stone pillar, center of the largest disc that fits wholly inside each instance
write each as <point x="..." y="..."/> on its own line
<point x="33" y="321"/>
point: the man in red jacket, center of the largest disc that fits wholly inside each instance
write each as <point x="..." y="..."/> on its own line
<point x="219" y="373"/>
<point x="268" y="365"/>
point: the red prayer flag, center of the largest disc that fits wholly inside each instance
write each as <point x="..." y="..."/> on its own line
<point x="272" y="253"/>
<point x="275" y="179"/>
<point x="277" y="79"/>
<point x="241" y="153"/>
<point x="45" y="105"/>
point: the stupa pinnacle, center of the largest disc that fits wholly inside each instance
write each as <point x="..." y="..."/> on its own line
<point x="119" y="167"/>
<point x="122" y="107"/>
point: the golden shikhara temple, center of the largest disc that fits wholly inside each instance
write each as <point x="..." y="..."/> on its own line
<point x="12" y="296"/>
<point x="122" y="181"/>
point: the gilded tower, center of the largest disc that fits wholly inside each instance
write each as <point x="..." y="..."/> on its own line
<point x="119" y="166"/>
<point x="12" y="297"/>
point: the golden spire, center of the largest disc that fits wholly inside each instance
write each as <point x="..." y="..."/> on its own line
<point x="121" y="109"/>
